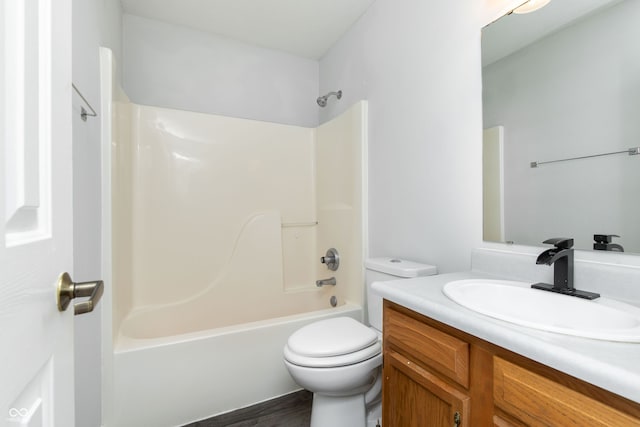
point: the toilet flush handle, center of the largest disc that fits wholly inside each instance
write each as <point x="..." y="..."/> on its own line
<point x="331" y="259"/>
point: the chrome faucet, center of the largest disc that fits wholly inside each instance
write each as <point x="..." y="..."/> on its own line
<point x="561" y="256"/>
<point x="324" y="282"/>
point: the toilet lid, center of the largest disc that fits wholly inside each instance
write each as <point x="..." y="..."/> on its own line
<point x="331" y="337"/>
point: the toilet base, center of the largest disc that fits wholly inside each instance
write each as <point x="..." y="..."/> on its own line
<point x="374" y="414"/>
<point x="343" y="411"/>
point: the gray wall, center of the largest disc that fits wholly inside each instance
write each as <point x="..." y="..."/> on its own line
<point x="95" y="23"/>
<point x="573" y="93"/>
<point x="418" y="64"/>
<point x="176" y="67"/>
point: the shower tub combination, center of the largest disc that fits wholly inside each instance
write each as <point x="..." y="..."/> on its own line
<point x="215" y="230"/>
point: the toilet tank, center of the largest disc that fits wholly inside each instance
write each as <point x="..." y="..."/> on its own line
<point x="384" y="269"/>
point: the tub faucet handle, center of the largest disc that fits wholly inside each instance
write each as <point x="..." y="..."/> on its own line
<point x="331" y="259"/>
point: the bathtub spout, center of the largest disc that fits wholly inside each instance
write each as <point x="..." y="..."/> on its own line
<point x="324" y="282"/>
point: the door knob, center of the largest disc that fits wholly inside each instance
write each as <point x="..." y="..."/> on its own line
<point x="68" y="290"/>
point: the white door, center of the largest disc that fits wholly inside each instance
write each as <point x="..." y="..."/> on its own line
<point x="36" y="340"/>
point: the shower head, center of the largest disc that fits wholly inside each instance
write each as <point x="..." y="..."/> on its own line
<point x="322" y="100"/>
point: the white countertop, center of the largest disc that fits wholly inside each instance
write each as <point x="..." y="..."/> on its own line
<point x="612" y="366"/>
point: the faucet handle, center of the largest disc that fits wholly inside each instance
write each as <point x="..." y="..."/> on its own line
<point x="604" y="238"/>
<point x="331" y="259"/>
<point x="560" y="242"/>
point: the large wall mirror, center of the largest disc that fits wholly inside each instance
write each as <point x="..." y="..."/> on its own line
<point x="561" y="92"/>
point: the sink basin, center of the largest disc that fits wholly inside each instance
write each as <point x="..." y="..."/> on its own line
<point x="517" y="302"/>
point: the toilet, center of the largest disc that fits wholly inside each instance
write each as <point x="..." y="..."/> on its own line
<point x="340" y="359"/>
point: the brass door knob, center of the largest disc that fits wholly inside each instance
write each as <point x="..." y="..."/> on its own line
<point x="68" y="290"/>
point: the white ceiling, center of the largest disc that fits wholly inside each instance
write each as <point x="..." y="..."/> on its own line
<point x="513" y="32"/>
<point x="306" y="28"/>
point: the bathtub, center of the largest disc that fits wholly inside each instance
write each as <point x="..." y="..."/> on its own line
<point x="175" y="380"/>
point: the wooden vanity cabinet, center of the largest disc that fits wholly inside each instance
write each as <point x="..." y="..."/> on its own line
<point x="435" y="375"/>
<point x="427" y="374"/>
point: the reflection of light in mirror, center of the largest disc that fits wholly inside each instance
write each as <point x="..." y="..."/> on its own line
<point x="531" y="6"/>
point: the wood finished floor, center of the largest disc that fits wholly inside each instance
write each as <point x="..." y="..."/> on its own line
<point x="292" y="410"/>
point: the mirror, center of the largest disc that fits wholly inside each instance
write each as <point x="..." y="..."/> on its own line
<point x="563" y="83"/>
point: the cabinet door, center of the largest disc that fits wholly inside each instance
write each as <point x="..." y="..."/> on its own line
<point x="414" y="397"/>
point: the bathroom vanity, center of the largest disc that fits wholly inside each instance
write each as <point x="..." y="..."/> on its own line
<point x="436" y="375"/>
<point x="445" y="365"/>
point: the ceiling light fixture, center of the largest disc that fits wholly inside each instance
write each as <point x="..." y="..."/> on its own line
<point x="531" y="6"/>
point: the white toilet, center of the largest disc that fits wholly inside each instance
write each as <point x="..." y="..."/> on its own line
<point x="340" y="359"/>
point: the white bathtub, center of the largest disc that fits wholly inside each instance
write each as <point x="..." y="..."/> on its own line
<point x="175" y="380"/>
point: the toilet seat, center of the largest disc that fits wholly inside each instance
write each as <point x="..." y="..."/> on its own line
<point x="332" y="342"/>
<point x="332" y="361"/>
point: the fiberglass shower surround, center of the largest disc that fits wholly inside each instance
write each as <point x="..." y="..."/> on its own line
<point x="218" y="227"/>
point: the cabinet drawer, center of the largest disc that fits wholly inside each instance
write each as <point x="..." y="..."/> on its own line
<point x="539" y="401"/>
<point x="442" y="352"/>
